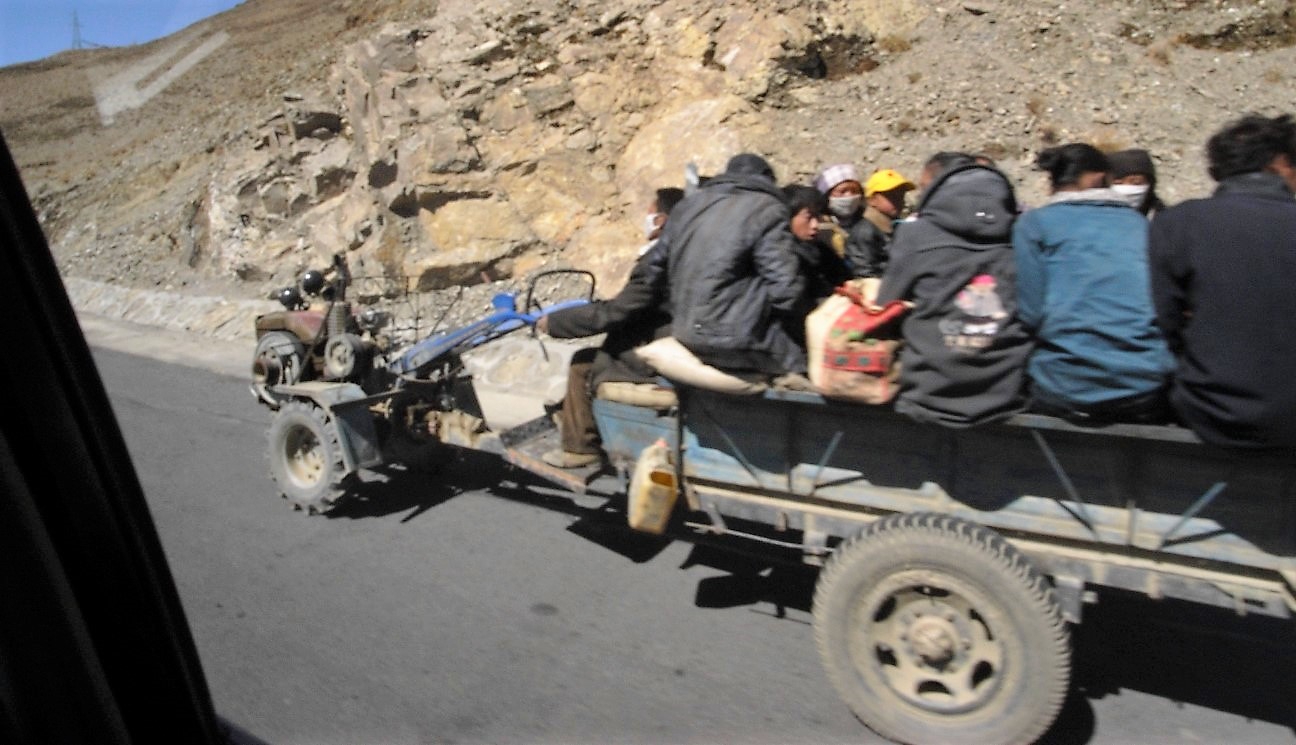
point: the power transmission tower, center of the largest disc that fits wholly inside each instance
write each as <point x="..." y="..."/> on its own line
<point x="77" y="41"/>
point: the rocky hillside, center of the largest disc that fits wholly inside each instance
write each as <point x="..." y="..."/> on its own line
<point x="464" y="141"/>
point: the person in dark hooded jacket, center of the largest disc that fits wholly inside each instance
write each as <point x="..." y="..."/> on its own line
<point x="964" y="352"/>
<point x="733" y="275"/>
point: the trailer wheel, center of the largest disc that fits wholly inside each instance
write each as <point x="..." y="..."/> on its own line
<point x="306" y="457"/>
<point x="937" y="630"/>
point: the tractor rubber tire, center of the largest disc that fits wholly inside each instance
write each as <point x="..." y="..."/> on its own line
<point x="937" y="630"/>
<point x="306" y="457"/>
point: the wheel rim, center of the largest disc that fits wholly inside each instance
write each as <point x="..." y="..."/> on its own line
<point x="303" y="457"/>
<point x="924" y="638"/>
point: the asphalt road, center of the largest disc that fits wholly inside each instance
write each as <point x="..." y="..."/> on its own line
<point x="479" y="606"/>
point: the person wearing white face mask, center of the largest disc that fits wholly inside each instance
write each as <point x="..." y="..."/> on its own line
<point x="1083" y="292"/>
<point x="653" y="222"/>
<point x="1133" y="177"/>
<point x="633" y="317"/>
<point x="862" y="214"/>
<point x="844" y="195"/>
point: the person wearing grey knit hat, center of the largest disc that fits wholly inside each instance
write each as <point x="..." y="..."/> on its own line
<point x="1133" y="177"/>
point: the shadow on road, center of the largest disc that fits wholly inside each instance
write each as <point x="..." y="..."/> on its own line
<point x="750" y="578"/>
<point x="603" y="524"/>
<point x="607" y="528"/>
<point x="1185" y="653"/>
<point x="416" y="490"/>
<point x="396" y="490"/>
<point x="1182" y="652"/>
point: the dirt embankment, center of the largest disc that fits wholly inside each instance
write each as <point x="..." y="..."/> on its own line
<point x="458" y="142"/>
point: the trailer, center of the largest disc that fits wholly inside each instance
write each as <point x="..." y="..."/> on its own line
<point x="952" y="562"/>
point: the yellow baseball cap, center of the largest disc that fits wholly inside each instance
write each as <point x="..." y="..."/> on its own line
<point x="886" y="180"/>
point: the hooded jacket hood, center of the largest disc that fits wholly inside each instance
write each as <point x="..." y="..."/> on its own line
<point x="964" y="357"/>
<point x="974" y="202"/>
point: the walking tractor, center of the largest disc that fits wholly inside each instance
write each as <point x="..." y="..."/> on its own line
<point x="954" y="562"/>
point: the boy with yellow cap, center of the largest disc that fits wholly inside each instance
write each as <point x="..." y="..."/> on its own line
<point x="884" y="195"/>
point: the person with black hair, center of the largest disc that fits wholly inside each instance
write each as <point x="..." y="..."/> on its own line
<point x="823" y="268"/>
<point x="941" y="162"/>
<point x="636" y="316"/>
<point x="732" y="275"/>
<point x="664" y="200"/>
<point x="1133" y="177"/>
<point x="1222" y="270"/>
<point x="1082" y="292"/>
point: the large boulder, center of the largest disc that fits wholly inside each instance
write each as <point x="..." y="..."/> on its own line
<point x="698" y="132"/>
<point x="465" y="237"/>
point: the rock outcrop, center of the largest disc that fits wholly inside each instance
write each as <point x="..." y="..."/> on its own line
<point x="484" y="141"/>
<point x="456" y="142"/>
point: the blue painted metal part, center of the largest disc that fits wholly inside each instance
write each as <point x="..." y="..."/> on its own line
<point x="626" y="430"/>
<point x="504" y="320"/>
<point x="1140" y="486"/>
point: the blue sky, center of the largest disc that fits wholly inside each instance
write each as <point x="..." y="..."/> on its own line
<point x="32" y="29"/>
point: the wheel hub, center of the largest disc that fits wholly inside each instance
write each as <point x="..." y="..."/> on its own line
<point x="933" y="639"/>
<point x="933" y="649"/>
<point x="305" y="462"/>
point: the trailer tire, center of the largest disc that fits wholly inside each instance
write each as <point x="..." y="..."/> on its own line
<point x="306" y="457"/>
<point x="937" y="630"/>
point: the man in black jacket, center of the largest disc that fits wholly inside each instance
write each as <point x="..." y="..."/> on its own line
<point x="733" y="275"/>
<point x="636" y="316"/>
<point x="1221" y="271"/>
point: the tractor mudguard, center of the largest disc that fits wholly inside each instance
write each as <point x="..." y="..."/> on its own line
<point x="348" y="407"/>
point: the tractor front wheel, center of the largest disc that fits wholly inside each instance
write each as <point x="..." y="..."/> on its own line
<point x="306" y="457"/>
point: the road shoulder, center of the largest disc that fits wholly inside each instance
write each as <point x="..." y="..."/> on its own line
<point x="227" y="357"/>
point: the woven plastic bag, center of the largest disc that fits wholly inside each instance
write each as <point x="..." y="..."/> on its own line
<point x="676" y="363"/>
<point x="853" y="346"/>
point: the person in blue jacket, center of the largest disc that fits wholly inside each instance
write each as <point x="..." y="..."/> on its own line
<point x="1083" y="293"/>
